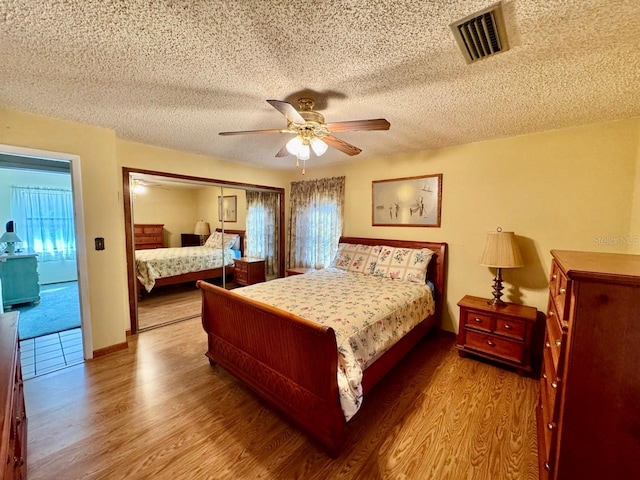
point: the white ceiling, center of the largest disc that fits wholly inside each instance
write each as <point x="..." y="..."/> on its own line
<point x="175" y="73"/>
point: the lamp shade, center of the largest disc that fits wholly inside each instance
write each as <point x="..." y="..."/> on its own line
<point x="202" y="228"/>
<point x="501" y="251"/>
<point x="8" y="237"/>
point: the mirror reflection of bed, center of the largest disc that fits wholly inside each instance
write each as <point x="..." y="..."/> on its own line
<point x="164" y="216"/>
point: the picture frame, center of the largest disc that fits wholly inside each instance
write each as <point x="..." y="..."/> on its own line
<point x="228" y="208"/>
<point x="407" y="202"/>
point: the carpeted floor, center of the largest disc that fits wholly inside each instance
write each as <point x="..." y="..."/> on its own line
<point x="58" y="310"/>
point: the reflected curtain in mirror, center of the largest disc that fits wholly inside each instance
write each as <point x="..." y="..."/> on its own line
<point x="315" y="222"/>
<point x="262" y="228"/>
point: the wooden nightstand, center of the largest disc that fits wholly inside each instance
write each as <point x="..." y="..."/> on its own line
<point x="192" y="239"/>
<point x="298" y="271"/>
<point x="504" y="334"/>
<point x="249" y="270"/>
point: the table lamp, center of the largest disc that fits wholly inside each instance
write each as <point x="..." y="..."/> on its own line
<point x="202" y="228"/>
<point x="500" y="251"/>
<point x="10" y="238"/>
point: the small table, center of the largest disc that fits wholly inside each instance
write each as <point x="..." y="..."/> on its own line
<point x="504" y="334"/>
<point x="249" y="270"/>
<point x="298" y="271"/>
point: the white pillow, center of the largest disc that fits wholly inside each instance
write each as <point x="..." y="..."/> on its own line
<point x="216" y="240"/>
<point x="407" y="264"/>
<point x="356" y="257"/>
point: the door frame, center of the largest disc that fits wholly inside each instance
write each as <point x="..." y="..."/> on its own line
<point x="81" y="252"/>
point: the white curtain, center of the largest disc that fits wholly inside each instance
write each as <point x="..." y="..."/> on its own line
<point x="315" y="222"/>
<point x="44" y="221"/>
<point x="262" y="228"/>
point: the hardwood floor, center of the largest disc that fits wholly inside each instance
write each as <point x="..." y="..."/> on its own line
<point x="159" y="410"/>
<point x="172" y="303"/>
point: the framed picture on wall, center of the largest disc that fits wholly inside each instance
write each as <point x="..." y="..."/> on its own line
<point x="228" y="208"/>
<point x="407" y="202"/>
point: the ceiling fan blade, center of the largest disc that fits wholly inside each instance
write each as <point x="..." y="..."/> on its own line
<point x="242" y="132"/>
<point x="359" y="125"/>
<point x="341" y="145"/>
<point x="283" y="152"/>
<point x="288" y="111"/>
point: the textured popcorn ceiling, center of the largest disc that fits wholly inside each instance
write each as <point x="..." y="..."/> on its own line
<point x="175" y="73"/>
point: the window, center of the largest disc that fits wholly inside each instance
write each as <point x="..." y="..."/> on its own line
<point x="262" y="228"/>
<point x="44" y="222"/>
<point x="315" y="222"/>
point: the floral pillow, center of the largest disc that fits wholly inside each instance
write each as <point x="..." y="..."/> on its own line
<point x="356" y="258"/>
<point x="216" y="240"/>
<point x="407" y="264"/>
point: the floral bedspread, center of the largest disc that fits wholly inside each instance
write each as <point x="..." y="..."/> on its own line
<point x="157" y="263"/>
<point x="368" y="314"/>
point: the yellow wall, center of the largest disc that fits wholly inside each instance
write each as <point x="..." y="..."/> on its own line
<point x="103" y="211"/>
<point x="174" y="208"/>
<point x="563" y="189"/>
<point x="566" y="189"/>
<point x="208" y="207"/>
<point x="634" y="228"/>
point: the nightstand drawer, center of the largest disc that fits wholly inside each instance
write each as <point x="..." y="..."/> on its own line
<point x="478" y="321"/>
<point x="240" y="275"/>
<point x="510" y="328"/>
<point x="241" y="267"/>
<point x="493" y="345"/>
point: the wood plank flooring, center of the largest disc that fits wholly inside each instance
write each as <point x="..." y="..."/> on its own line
<point x="159" y="410"/>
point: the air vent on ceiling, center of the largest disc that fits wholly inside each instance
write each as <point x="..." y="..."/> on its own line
<point x="482" y="34"/>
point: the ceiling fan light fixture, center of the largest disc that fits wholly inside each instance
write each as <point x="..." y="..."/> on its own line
<point x="303" y="152"/>
<point x="294" y="145"/>
<point x="318" y="146"/>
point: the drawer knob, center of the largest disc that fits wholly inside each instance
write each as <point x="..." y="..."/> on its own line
<point x="554" y="276"/>
<point x="551" y="314"/>
<point x="563" y="291"/>
<point x="554" y="384"/>
<point x="547" y="345"/>
<point x="547" y="467"/>
<point x="490" y="343"/>
<point x="477" y="320"/>
<point x="544" y="375"/>
<point x="558" y="343"/>
<point x="507" y="326"/>
<point x="550" y="426"/>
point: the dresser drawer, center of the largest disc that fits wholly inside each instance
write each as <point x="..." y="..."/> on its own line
<point x="493" y="345"/>
<point x="549" y="385"/>
<point x="510" y="328"/>
<point x="478" y="321"/>
<point x="559" y="287"/>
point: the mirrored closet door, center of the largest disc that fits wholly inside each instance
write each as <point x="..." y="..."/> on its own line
<point x="180" y="229"/>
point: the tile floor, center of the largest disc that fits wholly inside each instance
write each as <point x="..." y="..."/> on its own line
<point x="49" y="353"/>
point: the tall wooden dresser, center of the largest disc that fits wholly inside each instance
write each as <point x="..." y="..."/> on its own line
<point x="589" y="410"/>
<point x="148" y="235"/>
<point x="13" y="422"/>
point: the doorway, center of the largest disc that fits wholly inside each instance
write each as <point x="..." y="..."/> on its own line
<point x="41" y="199"/>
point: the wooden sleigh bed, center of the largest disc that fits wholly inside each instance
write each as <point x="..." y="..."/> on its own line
<point x="292" y="362"/>
<point x="194" y="276"/>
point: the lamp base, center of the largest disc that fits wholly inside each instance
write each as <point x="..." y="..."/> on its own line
<point x="11" y="248"/>
<point x="497" y="291"/>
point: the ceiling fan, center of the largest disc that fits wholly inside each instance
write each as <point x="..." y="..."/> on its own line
<point x="312" y="133"/>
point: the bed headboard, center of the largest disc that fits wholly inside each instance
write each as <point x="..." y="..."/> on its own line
<point x="437" y="265"/>
<point x="241" y="233"/>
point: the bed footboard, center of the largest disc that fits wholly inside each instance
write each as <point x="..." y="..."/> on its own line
<point x="253" y="341"/>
